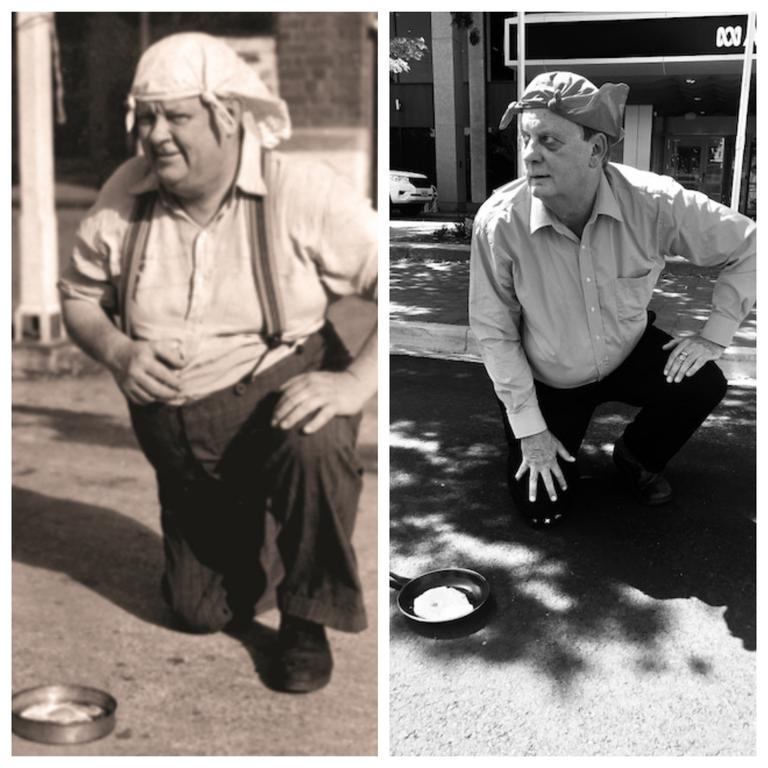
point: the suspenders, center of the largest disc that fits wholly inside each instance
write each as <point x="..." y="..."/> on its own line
<point x="262" y="261"/>
<point x="132" y="257"/>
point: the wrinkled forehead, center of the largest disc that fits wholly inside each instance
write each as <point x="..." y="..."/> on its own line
<point x="537" y="121"/>
<point x="161" y="106"/>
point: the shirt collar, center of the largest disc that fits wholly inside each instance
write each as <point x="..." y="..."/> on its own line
<point x="605" y="203"/>
<point x="249" y="179"/>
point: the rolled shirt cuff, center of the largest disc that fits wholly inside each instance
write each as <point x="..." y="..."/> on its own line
<point x="92" y="291"/>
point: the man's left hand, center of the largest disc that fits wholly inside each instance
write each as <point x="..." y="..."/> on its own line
<point x="322" y="394"/>
<point x="688" y="355"/>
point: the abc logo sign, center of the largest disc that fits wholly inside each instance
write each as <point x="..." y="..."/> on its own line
<point x="728" y="37"/>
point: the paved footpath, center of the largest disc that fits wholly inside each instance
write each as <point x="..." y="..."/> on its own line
<point x="625" y="631"/>
<point x="87" y="558"/>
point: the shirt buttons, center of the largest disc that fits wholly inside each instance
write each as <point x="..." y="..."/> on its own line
<point x="589" y="279"/>
<point x="591" y="309"/>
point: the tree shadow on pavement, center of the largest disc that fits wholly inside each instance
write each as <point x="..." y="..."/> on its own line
<point x="429" y="291"/>
<point x="682" y="299"/>
<point x="590" y="578"/>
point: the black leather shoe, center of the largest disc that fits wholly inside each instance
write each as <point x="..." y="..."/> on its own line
<point x="303" y="662"/>
<point x="650" y="488"/>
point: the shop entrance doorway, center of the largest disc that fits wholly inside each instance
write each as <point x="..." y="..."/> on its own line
<point x="703" y="163"/>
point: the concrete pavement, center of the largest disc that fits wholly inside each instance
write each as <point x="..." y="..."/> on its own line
<point x="87" y="558"/>
<point x="625" y="631"/>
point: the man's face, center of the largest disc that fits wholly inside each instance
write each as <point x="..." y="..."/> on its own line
<point x="178" y="137"/>
<point x="556" y="156"/>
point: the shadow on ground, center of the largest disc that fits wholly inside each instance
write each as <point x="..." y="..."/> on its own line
<point x="115" y="556"/>
<point x="106" y="551"/>
<point x="429" y="291"/>
<point x="72" y="426"/>
<point x="593" y="576"/>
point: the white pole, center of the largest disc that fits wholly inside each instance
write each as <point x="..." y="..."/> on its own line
<point x="741" y="130"/>
<point x="38" y="262"/>
<point x="520" y="83"/>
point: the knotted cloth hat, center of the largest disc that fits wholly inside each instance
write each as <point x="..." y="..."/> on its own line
<point x="195" y="64"/>
<point x="576" y="99"/>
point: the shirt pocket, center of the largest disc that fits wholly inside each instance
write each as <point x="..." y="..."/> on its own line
<point x="633" y="294"/>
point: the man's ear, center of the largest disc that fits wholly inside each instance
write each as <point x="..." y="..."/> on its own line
<point x="599" y="150"/>
<point x="235" y="108"/>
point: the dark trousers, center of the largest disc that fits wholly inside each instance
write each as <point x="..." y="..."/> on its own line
<point x="669" y="415"/>
<point x="221" y="467"/>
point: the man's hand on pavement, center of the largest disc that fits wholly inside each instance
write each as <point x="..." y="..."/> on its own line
<point x="321" y="394"/>
<point x="146" y="371"/>
<point x="540" y="452"/>
<point x="688" y="355"/>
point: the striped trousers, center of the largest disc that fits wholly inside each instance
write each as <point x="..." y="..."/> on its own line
<point x="221" y="468"/>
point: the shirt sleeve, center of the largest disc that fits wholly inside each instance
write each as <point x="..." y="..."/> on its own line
<point x="349" y="242"/>
<point x="494" y="317"/>
<point x="712" y="235"/>
<point x="86" y="275"/>
<point x="93" y="270"/>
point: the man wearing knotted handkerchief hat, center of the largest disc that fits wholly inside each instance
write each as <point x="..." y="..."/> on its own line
<point x="564" y="261"/>
<point x="202" y="278"/>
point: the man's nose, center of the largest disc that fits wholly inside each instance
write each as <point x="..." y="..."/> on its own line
<point x="160" y="130"/>
<point x="531" y="152"/>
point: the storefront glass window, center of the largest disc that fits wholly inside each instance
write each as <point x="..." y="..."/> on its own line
<point x="686" y="162"/>
<point x="703" y="163"/>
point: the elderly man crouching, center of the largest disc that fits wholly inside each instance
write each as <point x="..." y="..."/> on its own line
<point x="563" y="266"/>
<point x="217" y="258"/>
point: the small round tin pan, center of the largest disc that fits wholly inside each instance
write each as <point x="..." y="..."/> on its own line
<point x="59" y="733"/>
<point x="471" y="583"/>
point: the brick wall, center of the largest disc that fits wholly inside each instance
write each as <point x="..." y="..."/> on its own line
<point x="325" y="67"/>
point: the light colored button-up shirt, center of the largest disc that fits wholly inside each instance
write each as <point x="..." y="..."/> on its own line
<point x="196" y="287"/>
<point x="545" y="305"/>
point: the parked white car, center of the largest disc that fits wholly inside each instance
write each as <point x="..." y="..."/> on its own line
<point x="410" y="192"/>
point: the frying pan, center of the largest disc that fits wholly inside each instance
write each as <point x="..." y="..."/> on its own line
<point x="60" y="733"/>
<point x="471" y="583"/>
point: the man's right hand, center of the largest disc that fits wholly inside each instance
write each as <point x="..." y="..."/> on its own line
<point x="540" y="452"/>
<point x="147" y="371"/>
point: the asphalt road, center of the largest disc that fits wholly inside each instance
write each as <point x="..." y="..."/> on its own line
<point x="626" y="631"/>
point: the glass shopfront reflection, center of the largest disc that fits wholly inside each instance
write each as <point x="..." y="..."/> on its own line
<point x="703" y="163"/>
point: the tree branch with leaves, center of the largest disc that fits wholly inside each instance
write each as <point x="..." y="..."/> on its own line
<point x="403" y="50"/>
